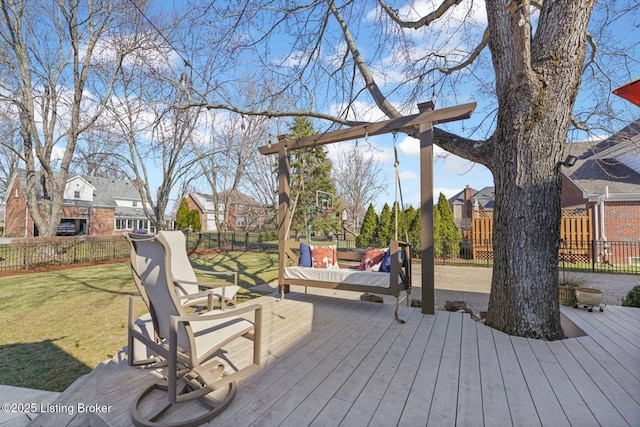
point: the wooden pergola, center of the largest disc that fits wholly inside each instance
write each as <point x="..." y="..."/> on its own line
<point x="422" y="123"/>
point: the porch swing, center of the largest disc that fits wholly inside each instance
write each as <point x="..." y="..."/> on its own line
<point x="395" y="277"/>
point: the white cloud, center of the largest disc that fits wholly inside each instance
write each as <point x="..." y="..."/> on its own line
<point x="408" y="176"/>
<point x="409" y="146"/>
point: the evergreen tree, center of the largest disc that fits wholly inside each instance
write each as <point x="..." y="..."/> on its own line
<point x="448" y="233"/>
<point x="368" y="229"/>
<point x="401" y="223"/>
<point x="182" y="215"/>
<point x="194" y="220"/>
<point x="384" y="231"/>
<point x="438" y="235"/>
<point x="415" y="231"/>
<point x="311" y="172"/>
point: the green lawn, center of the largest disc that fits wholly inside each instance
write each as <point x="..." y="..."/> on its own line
<point x="57" y="326"/>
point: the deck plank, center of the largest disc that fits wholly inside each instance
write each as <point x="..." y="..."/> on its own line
<point x="379" y="380"/>
<point x="546" y="403"/>
<point x="469" y="410"/>
<point x="297" y="407"/>
<point x="418" y="404"/>
<point x="595" y="400"/>
<point x="494" y="398"/>
<point x="390" y="408"/>
<point x="572" y="404"/>
<point x="616" y="347"/>
<point x="445" y="398"/>
<point x="290" y="373"/>
<point x="521" y="407"/>
<point x="621" y="400"/>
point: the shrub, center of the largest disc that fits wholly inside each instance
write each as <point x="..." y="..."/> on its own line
<point x="633" y="297"/>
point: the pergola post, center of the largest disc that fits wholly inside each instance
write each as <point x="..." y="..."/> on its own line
<point x="284" y="210"/>
<point x="426" y="212"/>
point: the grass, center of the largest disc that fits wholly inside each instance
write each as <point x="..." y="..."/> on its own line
<point x="59" y="325"/>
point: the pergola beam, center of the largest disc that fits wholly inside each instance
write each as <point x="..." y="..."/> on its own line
<point x="401" y="124"/>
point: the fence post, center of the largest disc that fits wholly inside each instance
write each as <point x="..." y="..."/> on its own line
<point x="246" y="242"/>
<point x="594" y="255"/>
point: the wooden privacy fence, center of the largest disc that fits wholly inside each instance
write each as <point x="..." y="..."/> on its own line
<point x="575" y="235"/>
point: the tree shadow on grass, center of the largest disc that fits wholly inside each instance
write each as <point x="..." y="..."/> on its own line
<point x="39" y="365"/>
<point x="234" y="261"/>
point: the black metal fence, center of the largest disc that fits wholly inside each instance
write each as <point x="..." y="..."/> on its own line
<point x="612" y="257"/>
<point x="32" y="253"/>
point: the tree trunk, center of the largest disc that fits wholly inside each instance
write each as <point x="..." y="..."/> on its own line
<point x="537" y="80"/>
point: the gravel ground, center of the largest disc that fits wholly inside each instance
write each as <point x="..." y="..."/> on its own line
<point x="473" y="285"/>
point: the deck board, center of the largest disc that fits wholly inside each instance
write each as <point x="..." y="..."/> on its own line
<point x="469" y="410"/>
<point x="390" y="408"/>
<point x="521" y="407"/>
<point x="330" y="359"/>
<point x="595" y="400"/>
<point x="573" y="406"/>
<point x="418" y="404"/>
<point x="547" y="405"/>
<point x="494" y="397"/>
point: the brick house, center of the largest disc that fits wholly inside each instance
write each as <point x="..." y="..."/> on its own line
<point x="605" y="180"/>
<point x="92" y="206"/>
<point x="245" y="213"/>
<point x="465" y="202"/>
<point x="604" y="183"/>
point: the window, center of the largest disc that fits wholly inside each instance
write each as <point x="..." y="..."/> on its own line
<point x="240" y="208"/>
<point x="76" y="194"/>
<point x="135" y="203"/>
<point x="240" y="221"/>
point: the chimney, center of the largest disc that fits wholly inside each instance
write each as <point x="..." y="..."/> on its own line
<point x="467" y="193"/>
<point x="468" y="204"/>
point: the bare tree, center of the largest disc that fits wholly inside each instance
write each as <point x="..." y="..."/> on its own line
<point x="232" y="146"/>
<point x="50" y="57"/>
<point x="359" y="180"/>
<point x="262" y="184"/>
<point x="9" y="146"/>
<point x="532" y="70"/>
<point x="95" y="153"/>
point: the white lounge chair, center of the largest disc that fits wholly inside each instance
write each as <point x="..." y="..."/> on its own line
<point x="192" y="345"/>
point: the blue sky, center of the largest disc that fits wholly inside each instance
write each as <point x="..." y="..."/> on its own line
<point x="451" y="173"/>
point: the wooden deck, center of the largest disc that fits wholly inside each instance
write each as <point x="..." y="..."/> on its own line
<point x="332" y="361"/>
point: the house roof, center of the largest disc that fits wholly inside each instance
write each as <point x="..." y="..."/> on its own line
<point x="459" y="198"/>
<point x="237" y="198"/>
<point x="484" y="197"/>
<point x="106" y="192"/>
<point x="599" y="164"/>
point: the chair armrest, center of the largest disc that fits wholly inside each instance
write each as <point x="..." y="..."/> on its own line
<point x="200" y="294"/>
<point x="222" y="314"/>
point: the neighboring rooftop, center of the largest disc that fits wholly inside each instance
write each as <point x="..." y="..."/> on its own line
<point x="613" y="162"/>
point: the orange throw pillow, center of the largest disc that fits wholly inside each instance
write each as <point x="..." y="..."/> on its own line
<point x="372" y="259"/>
<point x="324" y="257"/>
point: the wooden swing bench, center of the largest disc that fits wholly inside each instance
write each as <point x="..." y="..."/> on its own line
<point x="397" y="282"/>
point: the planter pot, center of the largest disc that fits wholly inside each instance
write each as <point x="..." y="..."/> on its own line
<point x="566" y="295"/>
<point x="589" y="296"/>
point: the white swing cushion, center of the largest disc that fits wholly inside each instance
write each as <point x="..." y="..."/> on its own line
<point x="339" y="275"/>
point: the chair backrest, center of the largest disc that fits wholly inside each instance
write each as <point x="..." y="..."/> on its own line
<point x="157" y="282"/>
<point x="135" y="262"/>
<point x="181" y="269"/>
